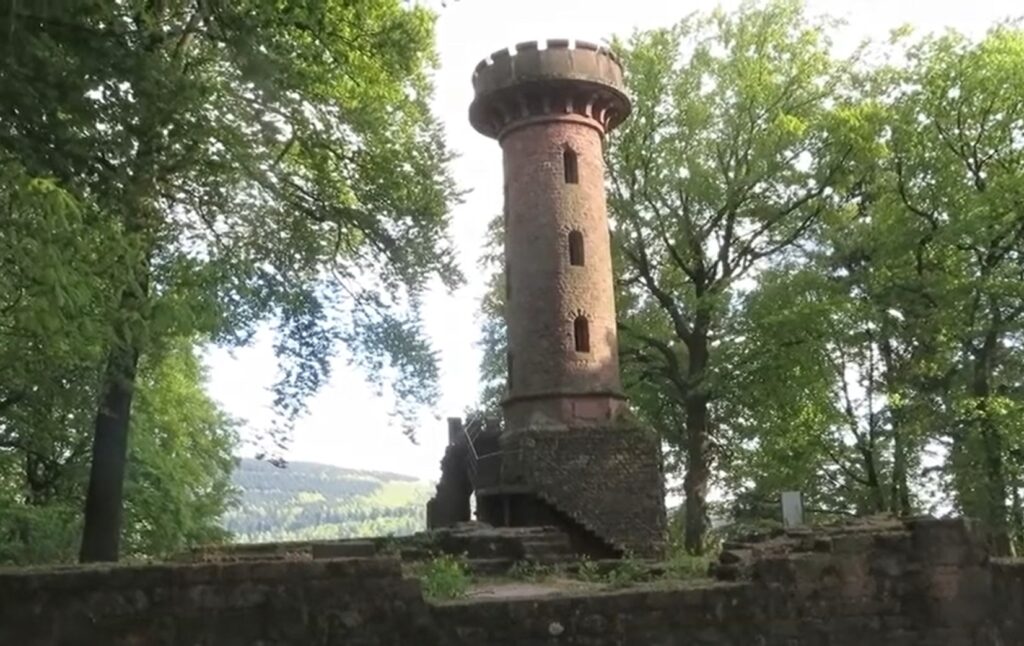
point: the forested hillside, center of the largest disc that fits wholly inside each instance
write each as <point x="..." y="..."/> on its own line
<point x="305" y="500"/>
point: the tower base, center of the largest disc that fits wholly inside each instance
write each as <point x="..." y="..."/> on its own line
<point x="604" y="483"/>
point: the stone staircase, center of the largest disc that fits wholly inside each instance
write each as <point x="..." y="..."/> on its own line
<point x="494" y="550"/>
<point x="487" y="550"/>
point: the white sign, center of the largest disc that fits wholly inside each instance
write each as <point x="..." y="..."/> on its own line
<point x="792" y="509"/>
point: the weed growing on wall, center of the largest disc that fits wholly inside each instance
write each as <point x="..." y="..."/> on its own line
<point x="444" y="577"/>
<point x="588" y="570"/>
<point x="530" y="571"/>
<point x="628" y="571"/>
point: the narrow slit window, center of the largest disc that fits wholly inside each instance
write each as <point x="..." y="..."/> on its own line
<point x="571" y="167"/>
<point x="508" y="362"/>
<point x="508" y="284"/>
<point x="581" y="332"/>
<point x="576" y="256"/>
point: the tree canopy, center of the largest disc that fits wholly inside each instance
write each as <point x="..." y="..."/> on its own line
<point x="213" y="166"/>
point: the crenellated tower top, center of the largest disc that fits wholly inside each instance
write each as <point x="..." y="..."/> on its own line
<point x="541" y="80"/>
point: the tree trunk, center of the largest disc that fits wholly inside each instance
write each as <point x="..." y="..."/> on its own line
<point x="698" y="467"/>
<point x="992" y="447"/>
<point x="1016" y="519"/>
<point x="101" y="536"/>
<point x="874" y="483"/>
<point x="899" y="490"/>
<point x="900" y="499"/>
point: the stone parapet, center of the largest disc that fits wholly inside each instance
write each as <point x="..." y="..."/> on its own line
<point x="557" y="77"/>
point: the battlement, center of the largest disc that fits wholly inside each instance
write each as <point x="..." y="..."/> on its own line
<point x="556" y="76"/>
<point x="561" y="59"/>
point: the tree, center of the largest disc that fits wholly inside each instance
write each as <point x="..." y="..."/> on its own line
<point x="957" y="177"/>
<point x="177" y="484"/>
<point x="250" y="162"/>
<point x="739" y="139"/>
<point x="181" y="457"/>
<point x="493" y="340"/>
<point x="53" y="314"/>
<point x="914" y="296"/>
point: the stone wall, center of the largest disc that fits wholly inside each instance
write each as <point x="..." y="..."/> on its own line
<point x="1007" y="609"/>
<point x="450" y="503"/>
<point x="922" y="583"/>
<point x="351" y="602"/>
<point x="706" y="616"/>
<point x="925" y="582"/>
<point x="608" y="479"/>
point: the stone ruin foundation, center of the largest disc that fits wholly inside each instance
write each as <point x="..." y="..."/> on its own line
<point x="921" y="582"/>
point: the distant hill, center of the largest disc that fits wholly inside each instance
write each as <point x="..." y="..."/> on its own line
<point x="305" y="500"/>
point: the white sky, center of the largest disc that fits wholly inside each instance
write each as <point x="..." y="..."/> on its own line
<point x="348" y="425"/>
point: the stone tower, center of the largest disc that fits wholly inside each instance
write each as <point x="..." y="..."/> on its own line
<point x="567" y="456"/>
<point x="550" y="109"/>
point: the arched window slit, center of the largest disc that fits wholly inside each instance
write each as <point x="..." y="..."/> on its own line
<point x="570" y="165"/>
<point x="576" y="255"/>
<point x="581" y="333"/>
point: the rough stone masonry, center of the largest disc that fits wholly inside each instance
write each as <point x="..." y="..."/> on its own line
<point x="569" y="454"/>
<point x="922" y="582"/>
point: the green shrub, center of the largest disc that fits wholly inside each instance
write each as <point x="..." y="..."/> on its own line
<point x="686" y="566"/>
<point x="627" y="571"/>
<point x="588" y="570"/>
<point x="444" y="577"/>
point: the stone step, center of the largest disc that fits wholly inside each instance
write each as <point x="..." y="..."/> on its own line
<point x="489" y="566"/>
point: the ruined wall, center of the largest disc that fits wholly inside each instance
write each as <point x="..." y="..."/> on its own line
<point x="607" y="479"/>
<point x="359" y="602"/>
<point x="1007" y="610"/>
<point x="450" y="503"/>
<point x="924" y="583"/>
<point x="921" y="583"/>
<point x="707" y="616"/>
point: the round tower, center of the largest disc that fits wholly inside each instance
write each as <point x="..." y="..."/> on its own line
<point x="549" y="106"/>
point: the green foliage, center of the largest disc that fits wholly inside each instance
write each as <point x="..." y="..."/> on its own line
<point x="531" y="571"/>
<point x="38" y="534"/>
<point x="738" y="142"/>
<point x="628" y="571"/>
<point x="444" y="577"/>
<point x="493" y="367"/>
<point x="685" y="566"/>
<point x="180" y="461"/>
<point x="177" y="488"/>
<point x="305" y="501"/>
<point x="587" y="570"/>
<point x="193" y="170"/>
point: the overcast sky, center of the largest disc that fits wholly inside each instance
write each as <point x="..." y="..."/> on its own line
<point x="348" y="425"/>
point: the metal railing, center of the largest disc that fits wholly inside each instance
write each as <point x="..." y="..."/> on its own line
<point x="471" y="430"/>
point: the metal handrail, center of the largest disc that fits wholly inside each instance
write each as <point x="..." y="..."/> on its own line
<point x="471" y="429"/>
